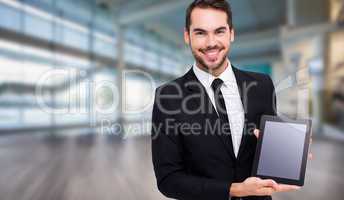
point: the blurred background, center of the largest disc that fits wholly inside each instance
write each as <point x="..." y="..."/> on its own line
<point x="77" y="80"/>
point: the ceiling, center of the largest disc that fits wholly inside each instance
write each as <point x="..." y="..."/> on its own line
<point x="256" y="21"/>
<point x="248" y="15"/>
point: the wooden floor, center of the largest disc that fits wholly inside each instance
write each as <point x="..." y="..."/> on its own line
<point x="105" y="167"/>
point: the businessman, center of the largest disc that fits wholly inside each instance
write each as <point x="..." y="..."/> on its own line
<point x="204" y="123"/>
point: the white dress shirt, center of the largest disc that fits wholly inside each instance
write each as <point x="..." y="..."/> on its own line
<point x="230" y="92"/>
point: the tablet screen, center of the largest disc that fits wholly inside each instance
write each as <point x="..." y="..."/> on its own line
<point x="282" y="150"/>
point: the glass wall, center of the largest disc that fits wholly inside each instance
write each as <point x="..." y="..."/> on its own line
<point x="58" y="63"/>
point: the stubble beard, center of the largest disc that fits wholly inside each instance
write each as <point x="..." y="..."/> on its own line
<point x="204" y="66"/>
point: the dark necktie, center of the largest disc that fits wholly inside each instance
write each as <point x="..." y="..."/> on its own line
<point x="222" y="113"/>
<point x="219" y="100"/>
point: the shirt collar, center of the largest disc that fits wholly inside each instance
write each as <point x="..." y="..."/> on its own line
<point x="206" y="78"/>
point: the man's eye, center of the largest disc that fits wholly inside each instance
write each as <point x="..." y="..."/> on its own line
<point x="220" y="32"/>
<point x="199" y="33"/>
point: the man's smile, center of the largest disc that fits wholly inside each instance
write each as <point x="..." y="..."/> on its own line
<point x="212" y="54"/>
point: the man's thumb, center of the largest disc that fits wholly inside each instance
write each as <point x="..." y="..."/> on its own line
<point x="256" y="132"/>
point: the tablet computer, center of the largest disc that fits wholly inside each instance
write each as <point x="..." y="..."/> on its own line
<point x="282" y="150"/>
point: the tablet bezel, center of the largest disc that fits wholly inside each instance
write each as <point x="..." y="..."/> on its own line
<point x="300" y="181"/>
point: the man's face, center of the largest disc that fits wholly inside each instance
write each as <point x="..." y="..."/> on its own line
<point x="209" y="38"/>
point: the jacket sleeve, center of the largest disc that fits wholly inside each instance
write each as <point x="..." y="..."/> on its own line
<point x="167" y="155"/>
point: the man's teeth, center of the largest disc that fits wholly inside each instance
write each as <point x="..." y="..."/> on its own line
<point x="212" y="51"/>
<point x="212" y="54"/>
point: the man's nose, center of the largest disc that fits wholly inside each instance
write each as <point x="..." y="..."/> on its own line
<point x="211" y="40"/>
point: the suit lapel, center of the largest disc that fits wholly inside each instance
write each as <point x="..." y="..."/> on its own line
<point x="194" y="86"/>
<point x="242" y="84"/>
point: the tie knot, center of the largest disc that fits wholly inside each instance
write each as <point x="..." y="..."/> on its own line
<point x="216" y="84"/>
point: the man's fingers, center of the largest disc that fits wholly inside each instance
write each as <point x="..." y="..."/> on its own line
<point x="256" y="133"/>
<point x="268" y="183"/>
<point x="286" y="188"/>
<point x="265" y="191"/>
<point x="310" y="156"/>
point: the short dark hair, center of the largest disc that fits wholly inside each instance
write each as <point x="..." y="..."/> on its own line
<point x="222" y="5"/>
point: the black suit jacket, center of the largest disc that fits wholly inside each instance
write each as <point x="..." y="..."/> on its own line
<point x="192" y="158"/>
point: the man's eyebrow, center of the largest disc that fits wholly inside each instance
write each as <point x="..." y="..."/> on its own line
<point x="202" y="30"/>
<point x="199" y="29"/>
<point x="221" y="28"/>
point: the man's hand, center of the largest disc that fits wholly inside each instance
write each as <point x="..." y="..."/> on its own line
<point x="310" y="155"/>
<point x="254" y="187"/>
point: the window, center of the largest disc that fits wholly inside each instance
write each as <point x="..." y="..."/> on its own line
<point x="10" y="17"/>
<point x="33" y="23"/>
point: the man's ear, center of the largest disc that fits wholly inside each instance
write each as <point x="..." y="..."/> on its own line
<point x="186" y="36"/>
<point x="232" y="35"/>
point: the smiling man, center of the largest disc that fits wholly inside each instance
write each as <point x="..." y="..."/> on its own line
<point x="203" y="144"/>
